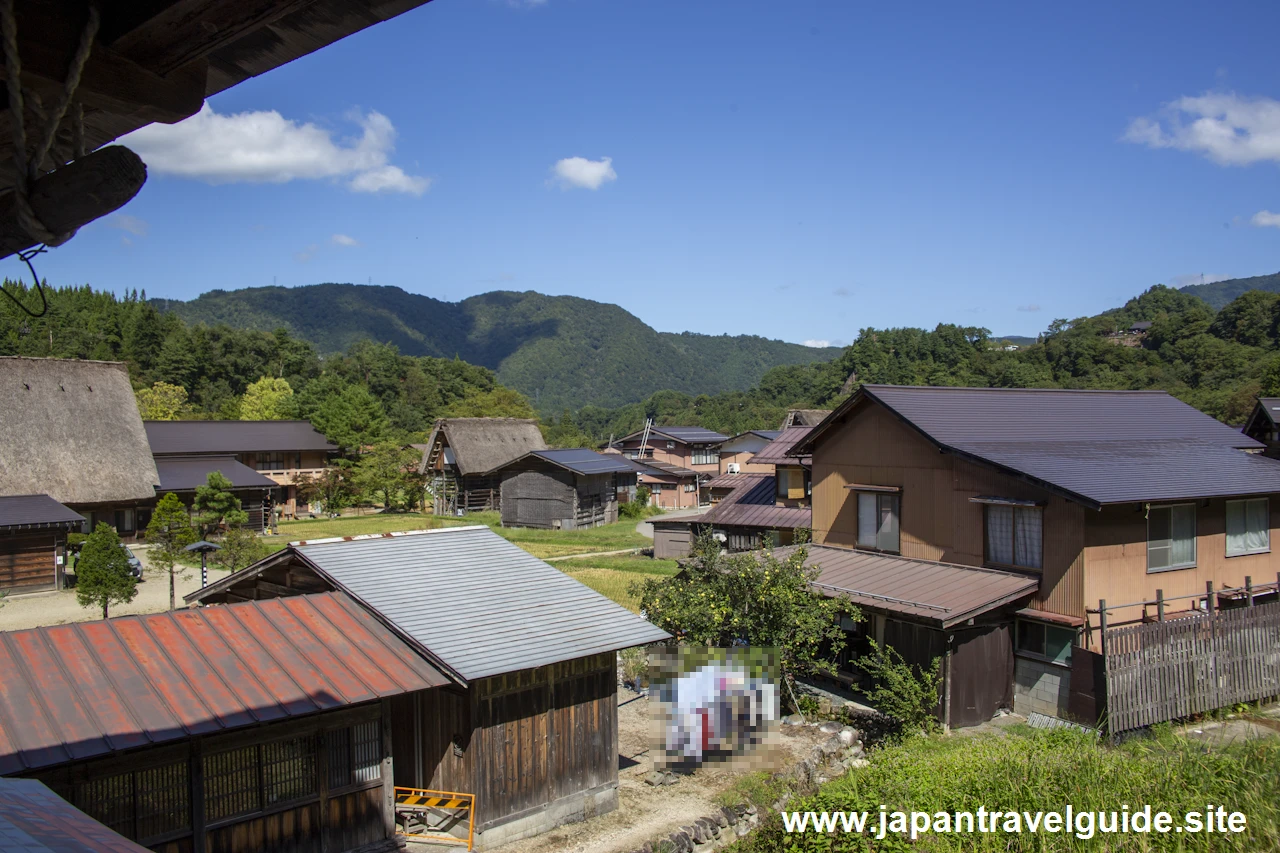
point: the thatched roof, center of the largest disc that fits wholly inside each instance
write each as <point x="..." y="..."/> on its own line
<point x="482" y="444"/>
<point x="804" y="417"/>
<point x="71" y="430"/>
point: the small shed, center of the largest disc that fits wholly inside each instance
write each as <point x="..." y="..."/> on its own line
<point x="461" y="453"/>
<point x="530" y="726"/>
<point x="33" y="542"/>
<point x="563" y="489"/>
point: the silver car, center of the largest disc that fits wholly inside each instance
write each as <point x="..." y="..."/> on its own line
<point x="135" y="565"/>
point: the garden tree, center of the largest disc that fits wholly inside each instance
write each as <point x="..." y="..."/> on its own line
<point x="240" y="547"/>
<point x="350" y="417"/>
<point x="332" y="488"/>
<point x="753" y="599"/>
<point x="385" y="472"/>
<point x="161" y="402"/>
<point x="268" y="399"/>
<point x="168" y="532"/>
<point x="216" y="505"/>
<point x="103" y="577"/>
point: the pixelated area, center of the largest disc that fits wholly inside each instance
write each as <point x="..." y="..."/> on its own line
<point x="713" y="705"/>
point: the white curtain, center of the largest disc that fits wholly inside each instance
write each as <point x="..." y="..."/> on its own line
<point x="1248" y="526"/>
<point x="868" y="519"/>
<point x="1182" y="548"/>
<point x="1000" y="534"/>
<point x="1028" y="537"/>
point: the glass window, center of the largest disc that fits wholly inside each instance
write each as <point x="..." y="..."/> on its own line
<point x="231" y="783"/>
<point x="878" y="521"/>
<point x="1015" y="535"/>
<point x="1045" y="641"/>
<point x="790" y="482"/>
<point x="1248" y="527"/>
<point x="1171" y="537"/>
<point x="366" y="743"/>
<point x="705" y="456"/>
<point x="289" y="769"/>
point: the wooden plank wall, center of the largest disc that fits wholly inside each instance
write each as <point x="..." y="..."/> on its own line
<point x="536" y="497"/>
<point x="27" y="561"/>
<point x="1179" y="667"/>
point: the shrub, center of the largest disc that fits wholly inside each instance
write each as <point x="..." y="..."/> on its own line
<point x="103" y="576"/>
<point x="907" y="693"/>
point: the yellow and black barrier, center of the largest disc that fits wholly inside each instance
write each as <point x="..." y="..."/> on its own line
<point x="425" y="815"/>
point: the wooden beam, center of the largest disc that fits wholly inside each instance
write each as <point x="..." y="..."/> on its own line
<point x="74" y="195"/>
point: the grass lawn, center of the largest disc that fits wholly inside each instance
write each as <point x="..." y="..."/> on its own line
<point x="611" y="576"/>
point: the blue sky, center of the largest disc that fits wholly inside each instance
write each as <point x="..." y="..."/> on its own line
<point x="797" y="170"/>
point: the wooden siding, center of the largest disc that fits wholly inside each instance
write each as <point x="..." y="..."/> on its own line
<point x="28" y="561"/>
<point x="745" y="465"/>
<point x="1116" y="553"/>
<point x="539" y="494"/>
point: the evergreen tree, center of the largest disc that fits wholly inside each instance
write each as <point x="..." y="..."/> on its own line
<point x="168" y="532"/>
<point x="352" y="418"/>
<point x="216" y="505"/>
<point x="103" y="576"/>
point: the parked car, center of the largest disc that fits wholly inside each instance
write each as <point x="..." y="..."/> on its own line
<point x="135" y="565"/>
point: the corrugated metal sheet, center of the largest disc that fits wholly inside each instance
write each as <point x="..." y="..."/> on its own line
<point x="584" y="461"/>
<point x="35" y="511"/>
<point x="477" y="603"/>
<point x="942" y="594"/>
<point x="683" y="434"/>
<point x="777" y="451"/>
<point x="176" y="438"/>
<point x="76" y="691"/>
<point x="34" y="819"/>
<point x="752" y="505"/>
<point x="186" y="473"/>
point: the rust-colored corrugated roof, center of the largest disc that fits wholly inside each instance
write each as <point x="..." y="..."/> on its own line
<point x="944" y="594"/>
<point x="776" y="452"/>
<point x="75" y="691"/>
<point x="33" y="819"/>
<point x="752" y="505"/>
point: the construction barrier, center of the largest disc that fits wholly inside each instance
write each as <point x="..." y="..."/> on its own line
<point x="425" y="815"/>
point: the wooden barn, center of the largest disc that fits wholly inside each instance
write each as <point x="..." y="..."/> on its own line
<point x="70" y="429"/>
<point x="262" y="727"/>
<point x="462" y="454"/>
<point x="529" y="725"/>
<point x="33" y="542"/>
<point x="563" y="489"/>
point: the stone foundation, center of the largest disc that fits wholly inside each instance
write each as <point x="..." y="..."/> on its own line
<point x="570" y="809"/>
<point x="1040" y="687"/>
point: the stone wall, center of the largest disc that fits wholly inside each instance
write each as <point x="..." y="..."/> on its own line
<point x="1040" y="687"/>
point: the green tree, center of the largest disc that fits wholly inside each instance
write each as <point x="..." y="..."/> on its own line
<point x="216" y="505"/>
<point x="168" y="532"/>
<point x="332" y="488"/>
<point x="103" y="576"/>
<point x="352" y="418"/>
<point x="240" y="547"/>
<point x="161" y="402"/>
<point x="268" y="399"/>
<point x="386" y="472"/>
<point x="907" y="693"/>
<point x="751" y="599"/>
<point x="498" y="403"/>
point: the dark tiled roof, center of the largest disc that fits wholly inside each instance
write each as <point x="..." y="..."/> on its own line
<point x="683" y="434"/>
<point x="776" y="452"/>
<point x="766" y="434"/>
<point x="91" y="688"/>
<point x="1096" y="447"/>
<point x="186" y="473"/>
<point x="35" y="511"/>
<point x="1268" y="408"/>
<point x="184" y="438"/>
<point x="752" y="505"/>
<point x="581" y="461"/>
<point x="660" y="469"/>
<point x="943" y="594"/>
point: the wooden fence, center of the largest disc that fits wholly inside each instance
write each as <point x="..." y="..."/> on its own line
<point x="1166" y="670"/>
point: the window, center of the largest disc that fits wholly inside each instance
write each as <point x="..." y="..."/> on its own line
<point x="1047" y="642"/>
<point x="270" y="462"/>
<point x="1171" y="537"/>
<point x="231" y="783"/>
<point x="1248" y="527"/>
<point x="671" y="445"/>
<point x="1015" y="536"/>
<point x="637" y="454"/>
<point x="691" y="487"/>
<point x="878" y="521"/>
<point x="289" y="769"/>
<point x="791" y="483"/>
<point x="705" y="456"/>
<point x="124" y="520"/>
<point x="655" y="489"/>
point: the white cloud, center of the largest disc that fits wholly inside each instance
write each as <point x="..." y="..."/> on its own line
<point x="819" y="343"/>
<point x="1266" y="219"/>
<point x="1196" y="278"/>
<point x="265" y="147"/>
<point x="1031" y="307"/>
<point x="1229" y="129"/>
<point x="344" y="240"/>
<point x="583" y="173"/>
<point x="129" y="224"/>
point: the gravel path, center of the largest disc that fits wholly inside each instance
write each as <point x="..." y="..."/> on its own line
<point x="59" y="608"/>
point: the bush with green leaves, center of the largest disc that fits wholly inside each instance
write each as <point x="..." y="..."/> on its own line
<point x="907" y="693"/>
<point x="240" y="547"/>
<point x="168" y="533"/>
<point x="103" y="576"/>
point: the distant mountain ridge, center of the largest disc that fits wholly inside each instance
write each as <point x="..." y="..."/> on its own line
<point x="1219" y="293"/>
<point x="561" y="351"/>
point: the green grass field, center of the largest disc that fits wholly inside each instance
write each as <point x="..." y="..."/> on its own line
<point x="612" y="576"/>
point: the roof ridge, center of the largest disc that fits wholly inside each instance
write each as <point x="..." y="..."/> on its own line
<point x="1110" y="391"/>
<point x="306" y="543"/>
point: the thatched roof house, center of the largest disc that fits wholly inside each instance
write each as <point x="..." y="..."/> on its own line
<point x="804" y="417"/>
<point x="71" y="430"/>
<point x="477" y="445"/>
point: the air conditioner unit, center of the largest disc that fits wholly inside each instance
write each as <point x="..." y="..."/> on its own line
<point x="733" y="468"/>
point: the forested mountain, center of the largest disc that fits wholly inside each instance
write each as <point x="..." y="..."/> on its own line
<point x="560" y="351"/>
<point x="1219" y="293"/>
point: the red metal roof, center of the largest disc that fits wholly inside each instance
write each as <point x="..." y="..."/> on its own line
<point x="34" y="819"/>
<point x="75" y="691"/>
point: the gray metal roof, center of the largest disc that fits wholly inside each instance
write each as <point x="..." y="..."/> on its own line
<point x="475" y="602"/>
<point x="683" y="434"/>
<point x="184" y="438"/>
<point x="186" y="473"/>
<point x="35" y="511"/>
<point x="581" y="461"/>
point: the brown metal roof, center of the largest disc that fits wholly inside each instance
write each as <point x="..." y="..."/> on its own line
<point x="28" y="511"/>
<point x="188" y="473"/>
<point x="33" y="819"/>
<point x="777" y="452"/>
<point x="724" y="481"/>
<point x="76" y="691"/>
<point x="941" y="594"/>
<point x="752" y="505"/>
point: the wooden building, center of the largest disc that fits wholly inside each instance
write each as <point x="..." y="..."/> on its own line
<point x="262" y="727"/>
<point x="692" y="448"/>
<point x="183" y="475"/>
<point x="529" y="725"/>
<point x="33" y="542"/>
<point x="71" y="430"/>
<point x="463" y="453"/>
<point x="562" y="489"/>
<point x="1122" y="496"/>
<point x="737" y="454"/>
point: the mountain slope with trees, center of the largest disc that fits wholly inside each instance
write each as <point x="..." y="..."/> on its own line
<point x="560" y="351"/>
<point x="1217" y="294"/>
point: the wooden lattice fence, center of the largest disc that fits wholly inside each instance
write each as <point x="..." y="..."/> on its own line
<point x="1174" y="668"/>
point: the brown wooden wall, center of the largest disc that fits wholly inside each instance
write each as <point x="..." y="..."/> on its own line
<point x="28" y="561"/>
<point x="517" y="741"/>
